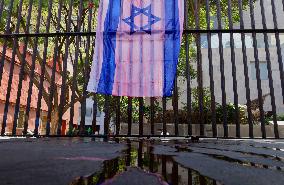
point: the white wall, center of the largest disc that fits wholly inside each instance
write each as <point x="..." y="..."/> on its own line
<point x="89" y="118"/>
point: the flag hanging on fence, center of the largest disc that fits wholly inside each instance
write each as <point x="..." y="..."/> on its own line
<point x="137" y="47"/>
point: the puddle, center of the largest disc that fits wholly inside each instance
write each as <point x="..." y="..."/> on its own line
<point x="139" y="154"/>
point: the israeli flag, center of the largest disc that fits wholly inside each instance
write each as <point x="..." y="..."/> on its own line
<point x="137" y="47"/>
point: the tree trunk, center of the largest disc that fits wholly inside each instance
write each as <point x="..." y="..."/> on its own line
<point x="54" y="121"/>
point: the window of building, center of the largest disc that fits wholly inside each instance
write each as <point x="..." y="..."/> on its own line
<point x="262" y="68"/>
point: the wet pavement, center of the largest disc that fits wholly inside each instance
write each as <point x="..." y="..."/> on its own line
<point x="147" y="162"/>
<point x="52" y="161"/>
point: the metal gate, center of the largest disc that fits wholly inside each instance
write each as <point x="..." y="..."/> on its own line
<point x="230" y="76"/>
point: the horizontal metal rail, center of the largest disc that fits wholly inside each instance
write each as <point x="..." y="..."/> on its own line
<point x="191" y="31"/>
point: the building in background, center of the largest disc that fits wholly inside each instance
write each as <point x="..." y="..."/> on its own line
<point x="239" y="60"/>
<point x="24" y="94"/>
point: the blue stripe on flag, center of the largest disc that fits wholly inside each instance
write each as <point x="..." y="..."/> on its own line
<point x="105" y="85"/>
<point x="171" y="45"/>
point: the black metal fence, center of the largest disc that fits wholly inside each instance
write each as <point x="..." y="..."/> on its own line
<point x="230" y="75"/>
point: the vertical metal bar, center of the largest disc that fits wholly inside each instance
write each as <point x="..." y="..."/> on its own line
<point x="234" y="72"/>
<point x="128" y="153"/>
<point x="188" y="75"/>
<point x="12" y="65"/>
<point x="202" y="179"/>
<point x="247" y="84"/>
<point x="164" y="102"/>
<point x="107" y="116"/>
<point x="64" y="72"/>
<point x="83" y="102"/>
<point x="42" y="69"/>
<point x="56" y="56"/>
<point x="152" y="56"/>
<point x="95" y="104"/>
<point x="75" y="67"/>
<point x="7" y="31"/>
<point x="164" y="167"/>
<point x="152" y="115"/>
<point x="114" y="168"/>
<point x="141" y="115"/>
<point x="175" y="173"/>
<point x="23" y="64"/>
<point x="211" y="75"/>
<point x="129" y="113"/>
<point x="118" y="99"/>
<point x="270" y="78"/>
<point x="175" y="93"/>
<point x="87" y="68"/>
<point x="117" y="120"/>
<point x="152" y="159"/>
<point x="278" y="45"/>
<point x="1" y="8"/>
<point x="140" y="57"/>
<point x="279" y="53"/>
<point x="130" y="69"/>
<point x="222" y="70"/>
<point x="189" y="177"/>
<point x="87" y="64"/>
<point x="259" y="89"/>
<point x="199" y="69"/>
<point x="32" y="70"/>
<point x="140" y="154"/>
<point x="175" y="107"/>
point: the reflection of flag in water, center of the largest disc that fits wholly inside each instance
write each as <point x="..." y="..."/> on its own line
<point x="137" y="47"/>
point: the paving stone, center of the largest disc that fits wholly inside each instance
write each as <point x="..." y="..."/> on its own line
<point x="245" y="158"/>
<point x="240" y="146"/>
<point x="228" y="162"/>
<point x="229" y="173"/>
<point x="52" y="161"/>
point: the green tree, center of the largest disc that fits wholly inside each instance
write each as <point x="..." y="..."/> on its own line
<point x="88" y="7"/>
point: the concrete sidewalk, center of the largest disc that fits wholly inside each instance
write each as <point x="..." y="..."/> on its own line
<point x="52" y="161"/>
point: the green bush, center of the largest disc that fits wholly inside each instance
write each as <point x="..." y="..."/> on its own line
<point x="231" y="113"/>
<point x="270" y="118"/>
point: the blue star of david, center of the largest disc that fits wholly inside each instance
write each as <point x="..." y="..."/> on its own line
<point x="136" y="11"/>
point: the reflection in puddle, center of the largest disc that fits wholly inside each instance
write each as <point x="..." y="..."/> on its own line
<point x="139" y="154"/>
